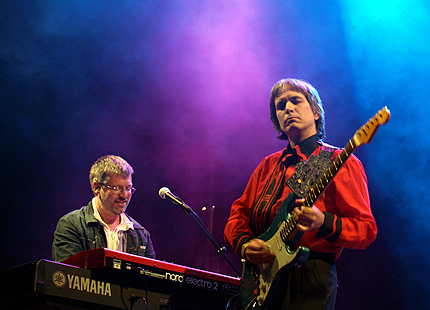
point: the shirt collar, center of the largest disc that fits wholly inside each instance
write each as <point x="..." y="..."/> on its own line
<point x="125" y="223"/>
<point x="307" y="146"/>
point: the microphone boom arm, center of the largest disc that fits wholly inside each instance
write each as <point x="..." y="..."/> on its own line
<point x="221" y="250"/>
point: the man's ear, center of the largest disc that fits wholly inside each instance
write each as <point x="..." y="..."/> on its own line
<point x="96" y="188"/>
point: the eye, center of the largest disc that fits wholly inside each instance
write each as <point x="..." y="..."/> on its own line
<point x="296" y="100"/>
<point x="280" y="105"/>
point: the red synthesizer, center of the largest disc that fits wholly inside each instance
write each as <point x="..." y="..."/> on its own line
<point x="110" y="259"/>
<point x="187" y="288"/>
<point x="103" y="279"/>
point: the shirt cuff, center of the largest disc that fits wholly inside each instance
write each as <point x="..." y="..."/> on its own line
<point x="331" y="228"/>
<point x="241" y="241"/>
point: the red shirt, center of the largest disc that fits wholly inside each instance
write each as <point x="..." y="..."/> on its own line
<point x="348" y="221"/>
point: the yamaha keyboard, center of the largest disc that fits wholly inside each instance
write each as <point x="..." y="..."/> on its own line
<point x="107" y="279"/>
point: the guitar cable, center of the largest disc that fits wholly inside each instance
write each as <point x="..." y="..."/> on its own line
<point x="142" y="271"/>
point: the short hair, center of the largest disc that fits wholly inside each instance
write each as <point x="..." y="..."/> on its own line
<point x="311" y="95"/>
<point x="101" y="168"/>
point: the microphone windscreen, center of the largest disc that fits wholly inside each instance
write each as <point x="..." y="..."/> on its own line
<point x="163" y="191"/>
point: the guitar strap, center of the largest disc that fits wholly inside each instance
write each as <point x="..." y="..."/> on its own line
<point x="310" y="170"/>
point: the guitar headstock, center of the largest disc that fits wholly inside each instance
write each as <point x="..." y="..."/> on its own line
<point x="367" y="131"/>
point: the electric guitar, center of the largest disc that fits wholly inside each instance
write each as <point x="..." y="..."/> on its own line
<point x="260" y="284"/>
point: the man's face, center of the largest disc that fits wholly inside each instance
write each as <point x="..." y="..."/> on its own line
<point x="295" y="116"/>
<point x="114" y="202"/>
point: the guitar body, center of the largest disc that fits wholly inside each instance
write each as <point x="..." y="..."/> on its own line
<point x="261" y="283"/>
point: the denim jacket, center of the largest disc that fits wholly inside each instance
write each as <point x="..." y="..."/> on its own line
<point x="79" y="231"/>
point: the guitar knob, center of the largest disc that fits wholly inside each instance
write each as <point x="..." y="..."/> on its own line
<point x="260" y="300"/>
<point x="263" y="288"/>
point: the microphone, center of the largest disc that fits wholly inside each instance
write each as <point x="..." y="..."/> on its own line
<point x="165" y="193"/>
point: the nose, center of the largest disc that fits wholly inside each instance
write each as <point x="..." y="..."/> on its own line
<point x="124" y="193"/>
<point x="288" y="107"/>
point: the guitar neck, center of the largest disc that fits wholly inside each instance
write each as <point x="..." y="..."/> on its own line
<point x="317" y="190"/>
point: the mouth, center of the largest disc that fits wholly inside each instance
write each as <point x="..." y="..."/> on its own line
<point x="290" y="120"/>
<point x="123" y="203"/>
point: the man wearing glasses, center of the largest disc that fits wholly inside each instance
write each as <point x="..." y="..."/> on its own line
<point x="103" y="222"/>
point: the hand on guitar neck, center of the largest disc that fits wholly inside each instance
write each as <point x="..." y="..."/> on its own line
<point x="308" y="218"/>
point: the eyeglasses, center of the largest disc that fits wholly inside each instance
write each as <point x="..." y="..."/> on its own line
<point x="119" y="189"/>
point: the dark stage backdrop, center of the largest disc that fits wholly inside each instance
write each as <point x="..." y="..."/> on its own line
<point x="180" y="89"/>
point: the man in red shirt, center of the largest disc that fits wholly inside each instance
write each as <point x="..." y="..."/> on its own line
<point x="340" y="218"/>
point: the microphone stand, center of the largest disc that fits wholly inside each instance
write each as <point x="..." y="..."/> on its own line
<point x="196" y="218"/>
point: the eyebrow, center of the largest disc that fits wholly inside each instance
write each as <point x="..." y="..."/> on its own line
<point x="289" y="98"/>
